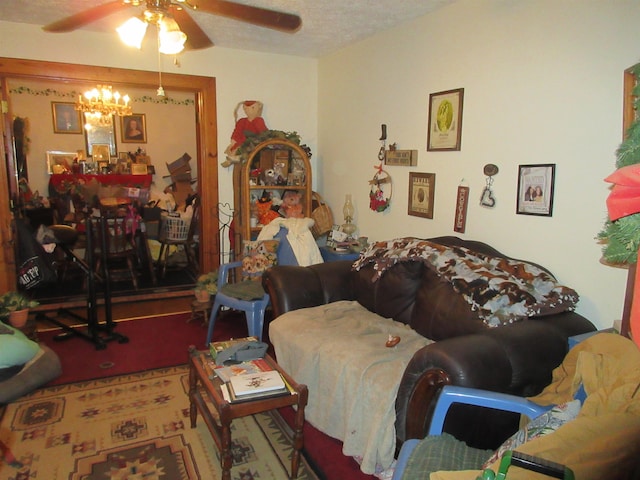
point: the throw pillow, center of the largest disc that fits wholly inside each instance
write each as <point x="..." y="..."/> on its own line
<point x="546" y="423"/>
<point x="258" y="256"/>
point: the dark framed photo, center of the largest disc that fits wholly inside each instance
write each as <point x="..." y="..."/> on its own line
<point x="444" y="132"/>
<point x="535" y="189"/>
<point x="66" y="119"/>
<point x="133" y="128"/>
<point x="421" y="194"/>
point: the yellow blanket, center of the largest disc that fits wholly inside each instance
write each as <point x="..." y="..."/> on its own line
<point x="604" y="441"/>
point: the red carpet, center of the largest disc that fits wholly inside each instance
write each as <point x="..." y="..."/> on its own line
<point x="164" y="341"/>
<point x="153" y="343"/>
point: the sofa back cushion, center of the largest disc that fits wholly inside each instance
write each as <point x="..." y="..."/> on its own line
<point x="412" y="293"/>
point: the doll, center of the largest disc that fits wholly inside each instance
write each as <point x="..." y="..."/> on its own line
<point x="252" y="124"/>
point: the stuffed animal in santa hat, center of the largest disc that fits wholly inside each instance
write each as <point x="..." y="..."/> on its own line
<point x="252" y="124"/>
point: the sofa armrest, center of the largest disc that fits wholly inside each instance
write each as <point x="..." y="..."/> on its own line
<point x="293" y="287"/>
<point x="516" y="359"/>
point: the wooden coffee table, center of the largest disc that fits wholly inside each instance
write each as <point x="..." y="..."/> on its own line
<point x="202" y="381"/>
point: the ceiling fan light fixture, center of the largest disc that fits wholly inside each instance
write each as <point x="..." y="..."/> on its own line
<point x="171" y="38"/>
<point x="132" y="32"/>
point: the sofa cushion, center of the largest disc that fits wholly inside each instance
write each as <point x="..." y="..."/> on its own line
<point x="338" y="350"/>
<point x="442" y="452"/>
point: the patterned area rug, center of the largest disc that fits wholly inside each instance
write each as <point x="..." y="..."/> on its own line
<point x="134" y="427"/>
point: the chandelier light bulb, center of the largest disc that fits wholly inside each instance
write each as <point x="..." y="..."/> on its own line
<point x="101" y="103"/>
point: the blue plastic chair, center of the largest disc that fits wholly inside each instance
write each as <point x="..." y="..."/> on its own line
<point x="451" y="394"/>
<point x="254" y="310"/>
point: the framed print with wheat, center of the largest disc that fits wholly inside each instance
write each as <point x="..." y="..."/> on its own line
<point x="444" y="132"/>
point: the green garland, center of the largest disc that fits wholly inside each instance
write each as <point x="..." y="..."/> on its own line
<point x="252" y="141"/>
<point x="622" y="238"/>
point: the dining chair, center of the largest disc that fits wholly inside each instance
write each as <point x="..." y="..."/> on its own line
<point x="177" y="232"/>
<point x="118" y="242"/>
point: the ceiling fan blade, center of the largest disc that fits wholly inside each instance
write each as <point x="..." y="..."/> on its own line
<point x="262" y="17"/>
<point x="85" y="17"/>
<point x="196" y="38"/>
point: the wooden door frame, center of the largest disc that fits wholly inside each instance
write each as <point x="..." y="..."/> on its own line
<point x="204" y="90"/>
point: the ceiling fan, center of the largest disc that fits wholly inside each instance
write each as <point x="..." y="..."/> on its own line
<point x="196" y="37"/>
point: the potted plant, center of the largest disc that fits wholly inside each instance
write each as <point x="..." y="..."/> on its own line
<point x="15" y="306"/>
<point x="206" y="285"/>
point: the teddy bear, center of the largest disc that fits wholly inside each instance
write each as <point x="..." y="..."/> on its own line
<point x="291" y="204"/>
<point x="252" y="124"/>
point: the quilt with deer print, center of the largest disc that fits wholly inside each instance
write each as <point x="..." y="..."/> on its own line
<point x="499" y="289"/>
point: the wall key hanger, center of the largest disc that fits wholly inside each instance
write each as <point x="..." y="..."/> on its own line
<point x="487" y="199"/>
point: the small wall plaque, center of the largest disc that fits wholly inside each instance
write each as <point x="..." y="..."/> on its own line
<point x="401" y="158"/>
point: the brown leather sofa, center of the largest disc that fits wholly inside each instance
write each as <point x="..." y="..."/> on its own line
<point x="516" y="359"/>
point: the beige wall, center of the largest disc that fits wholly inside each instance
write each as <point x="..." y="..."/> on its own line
<point x="543" y="84"/>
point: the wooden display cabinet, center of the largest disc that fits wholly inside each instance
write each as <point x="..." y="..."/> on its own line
<point x="292" y="169"/>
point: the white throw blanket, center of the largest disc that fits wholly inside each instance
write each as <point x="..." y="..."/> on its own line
<point x="338" y="351"/>
<point x="300" y="238"/>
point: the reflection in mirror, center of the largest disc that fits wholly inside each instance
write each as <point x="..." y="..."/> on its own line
<point x="97" y="131"/>
<point x="171" y="132"/>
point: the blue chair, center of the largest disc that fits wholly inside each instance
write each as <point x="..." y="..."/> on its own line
<point x="249" y="296"/>
<point x="451" y="394"/>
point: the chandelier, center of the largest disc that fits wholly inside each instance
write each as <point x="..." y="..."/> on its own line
<point x="170" y="38"/>
<point x="101" y="103"/>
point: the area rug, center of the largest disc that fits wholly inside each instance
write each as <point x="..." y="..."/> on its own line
<point x="134" y="427"/>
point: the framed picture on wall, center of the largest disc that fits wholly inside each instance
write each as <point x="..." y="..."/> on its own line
<point x="535" y="189"/>
<point x="444" y="132"/>
<point x="66" y="119"/>
<point x="133" y="128"/>
<point x="60" y="162"/>
<point x="421" y="194"/>
<point x="100" y="153"/>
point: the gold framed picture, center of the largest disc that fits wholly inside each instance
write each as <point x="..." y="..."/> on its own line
<point x="66" y="119"/>
<point x="138" y="169"/>
<point x="421" y="194"/>
<point x="133" y="128"/>
<point x="100" y="152"/>
<point x="60" y="162"/>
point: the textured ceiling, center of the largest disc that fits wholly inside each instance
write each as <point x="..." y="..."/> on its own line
<point x="327" y="25"/>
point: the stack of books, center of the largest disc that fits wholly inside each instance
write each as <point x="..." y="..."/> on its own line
<point x="250" y="380"/>
<point x="252" y="386"/>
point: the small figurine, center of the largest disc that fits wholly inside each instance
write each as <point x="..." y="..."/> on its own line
<point x="392" y="341"/>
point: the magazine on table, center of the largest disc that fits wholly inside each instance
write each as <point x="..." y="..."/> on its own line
<point x="251" y="366"/>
